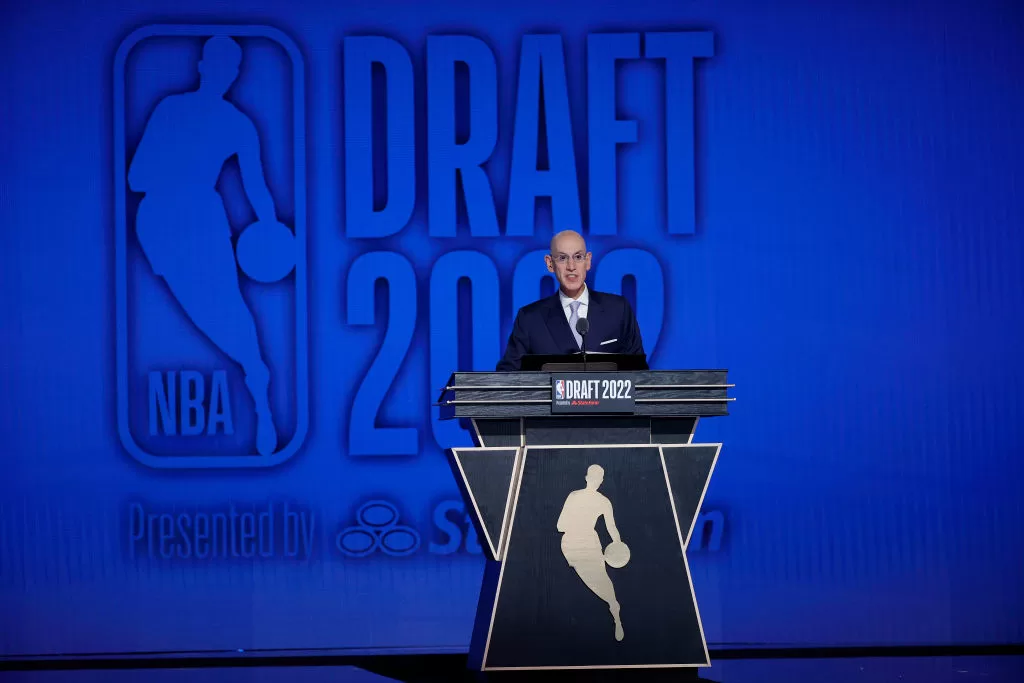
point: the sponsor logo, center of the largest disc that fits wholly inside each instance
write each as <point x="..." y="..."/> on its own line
<point x="377" y="529"/>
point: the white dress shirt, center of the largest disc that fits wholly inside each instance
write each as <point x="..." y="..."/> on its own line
<point x="584" y="303"/>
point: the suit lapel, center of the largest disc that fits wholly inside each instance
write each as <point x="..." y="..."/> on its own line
<point x="558" y="325"/>
<point x="595" y="314"/>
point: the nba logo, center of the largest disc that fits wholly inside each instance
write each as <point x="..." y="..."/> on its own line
<point x="210" y="189"/>
<point x="560" y="389"/>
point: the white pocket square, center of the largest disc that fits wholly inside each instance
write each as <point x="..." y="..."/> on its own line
<point x="609" y="341"/>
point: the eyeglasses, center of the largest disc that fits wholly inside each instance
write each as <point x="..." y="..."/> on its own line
<point x="561" y="259"/>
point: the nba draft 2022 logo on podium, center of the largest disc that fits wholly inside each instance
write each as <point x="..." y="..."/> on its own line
<point x="209" y="143"/>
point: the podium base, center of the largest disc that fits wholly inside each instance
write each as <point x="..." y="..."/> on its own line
<point x="457" y="669"/>
<point x="680" y="675"/>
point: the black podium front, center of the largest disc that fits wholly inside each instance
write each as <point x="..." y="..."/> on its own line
<point x="585" y="487"/>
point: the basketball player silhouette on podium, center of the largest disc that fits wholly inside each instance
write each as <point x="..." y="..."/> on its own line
<point x="182" y="225"/>
<point x="581" y="545"/>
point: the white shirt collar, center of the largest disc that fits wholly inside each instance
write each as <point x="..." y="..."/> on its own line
<point x="584" y="298"/>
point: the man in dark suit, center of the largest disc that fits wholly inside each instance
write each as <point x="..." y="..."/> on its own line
<point x="548" y="326"/>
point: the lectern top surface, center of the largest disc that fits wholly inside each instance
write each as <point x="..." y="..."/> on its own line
<point x="576" y="360"/>
<point x="656" y="393"/>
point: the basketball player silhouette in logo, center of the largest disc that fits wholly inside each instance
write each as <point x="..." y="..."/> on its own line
<point x="182" y="225"/>
<point x="581" y="545"/>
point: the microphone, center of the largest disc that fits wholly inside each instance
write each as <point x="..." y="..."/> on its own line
<point x="583" y="326"/>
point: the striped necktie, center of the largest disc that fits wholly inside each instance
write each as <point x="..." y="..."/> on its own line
<point x="574" y="316"/>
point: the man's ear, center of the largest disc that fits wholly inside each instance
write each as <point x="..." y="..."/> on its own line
<point x="550" y="263"/>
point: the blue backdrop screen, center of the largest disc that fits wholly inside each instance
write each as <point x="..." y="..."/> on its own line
<point x="244" y="247"/>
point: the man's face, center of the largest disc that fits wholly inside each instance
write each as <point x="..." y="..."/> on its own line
<point x="569" y="261"/>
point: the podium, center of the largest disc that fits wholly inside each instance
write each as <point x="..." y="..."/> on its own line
<point x="584" y="487"/>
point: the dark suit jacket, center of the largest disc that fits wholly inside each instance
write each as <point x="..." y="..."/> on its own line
<point x="541" y="327"/>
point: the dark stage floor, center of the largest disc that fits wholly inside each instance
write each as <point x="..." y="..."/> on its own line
<point x="1006" y="668"/>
